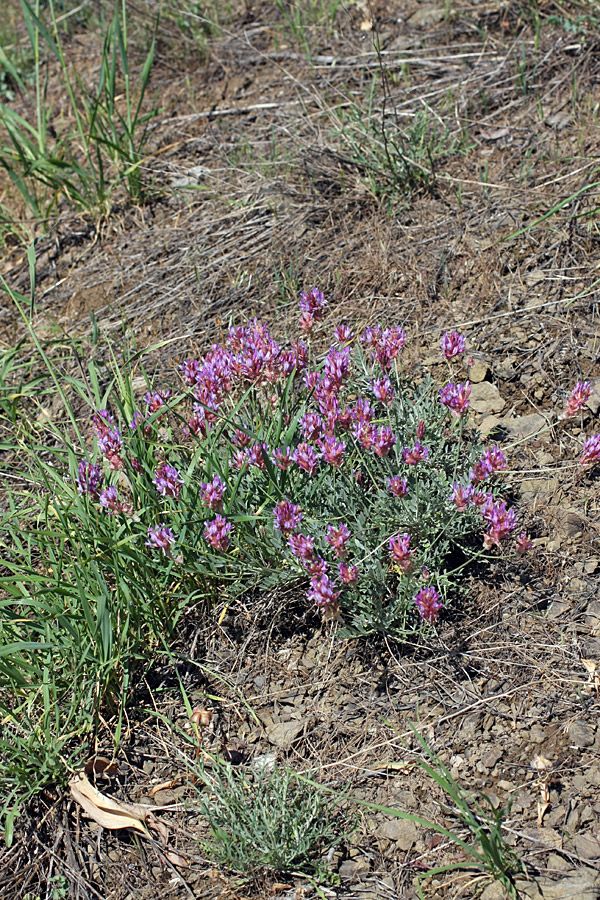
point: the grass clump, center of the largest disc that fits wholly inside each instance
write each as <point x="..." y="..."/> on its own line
<point x="104" y="148"/>
<point x="266" y="820"/>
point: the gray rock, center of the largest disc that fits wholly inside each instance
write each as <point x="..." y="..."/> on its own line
<point x="523" y="426"/>
<point x="485" y="398"/>
<point x="584" y="884"/>
<point x="587" y="846"/>
<point x="494" y="891"/>
<point x="581" y="735"/>
<point x="427" y="15"/>
<point x="478" y="371"/>
<point x="354" y="868"/>
<point x="283" y="734"/>
<point x="402" y="831"/>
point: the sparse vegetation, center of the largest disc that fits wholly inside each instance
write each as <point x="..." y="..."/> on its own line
<point x="176" y="174"/>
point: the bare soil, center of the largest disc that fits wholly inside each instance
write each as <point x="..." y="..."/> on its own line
<point x="256" y="198"/>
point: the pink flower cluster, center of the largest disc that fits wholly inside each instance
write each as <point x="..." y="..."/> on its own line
<point x="428" y="603"/>
<point x="89" y="479"/>
<point x="212" y="493"/>
<point x="168" y="481"/>
<point x="216" y="533"/>
<point x="456" y="397"/>
<point x="577" y="399"/>
<point x="493" y="460"/>
<point x="591" y="450"/>
<point x="109" y="501"/>
<point x="312" y="304"/>
<point x="287" y="516"/>
<point x="161" y="538"/>
<point x="452" y="343"/>
<point x="402" y="555"/>
<point x="385" y="343"/>
<point x="110" y="442"/>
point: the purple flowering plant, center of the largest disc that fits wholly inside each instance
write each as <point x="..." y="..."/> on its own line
<point x="271" y="464"/>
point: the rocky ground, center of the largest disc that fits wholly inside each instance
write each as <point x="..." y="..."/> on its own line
<point x="259" y="195"/>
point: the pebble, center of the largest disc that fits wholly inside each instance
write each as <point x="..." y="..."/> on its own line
<point x="485" y="398"/>
<point x="581" y="735"/>
<point x="581" y="885"/>
<point x="402" y="831"/>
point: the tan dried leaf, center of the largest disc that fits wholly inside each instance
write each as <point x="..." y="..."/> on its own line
<point x="104" y="810"/>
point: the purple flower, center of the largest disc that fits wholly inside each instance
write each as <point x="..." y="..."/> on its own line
<point x="102" y="421"/>
<point x="332" y="450"/>
<point x="168" y="481"/>
<point x="89" y="479"/>
<point x="306" y="458"/>
<point x="255" y="456"/>
<point x="492" y="461"/>
<point x="343" y="334"/>
<point x="401" y="553"/>
<point x="453" y="343"/>
<point x="287" y="516"/>
<point x="160" y="538"/>
<point x="312" y="303"/>
<point x="461" y="496"/>
<point x="382" y="390"/>
<point x="301" y="545"/>
<point x="156" y="399"/>
<point x="212" y="493"/>
<point x="335" y="368"/>
<point x="362" y="412"/>
<point x="348" y="573"/>
<point x="398" y="487"/>
<point x="337" y="538"/>
<point x="137" y="419"/>
<point x="428" y="603"/>
<point x="216" y="533"/>
<point x="322" y="592"/>
<point x="456" y="397"/>
<point x="110" y="443"/>
<point x="582" y="391"/>
<point x="591" y="450"/>
<point x="109" y="500"/>
<point x="190" y="371"/>
<point x="385" y="344"/>
<point x="523" y="544"/>
<point x="416" y="454"/>
<point x="315" y="566"/>
<point x="283" y="457"/>
<point x="383" y="441"/>
<point x="501" y="521"/>
<point x="311" y="425"/>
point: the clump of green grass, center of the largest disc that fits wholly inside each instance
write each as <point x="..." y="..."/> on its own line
<point x="267" y="819"/>
<point x="104" y="150"/>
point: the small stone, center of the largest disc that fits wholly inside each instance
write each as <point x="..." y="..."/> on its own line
<point x="402" y="831"/>
<point x="491" y="757"/>
<point x="523" y="426"/>
<point x="558" y="863"/>
<point x="557" y="608"/>
<point x="583" y="884"/>
<point x="494" y="891"/>
<point x="427" y="15"/>
<point x="485" y="398"/>
<point x="587" y="846"/>
<point x="537" y="735"/>
<point x="581" y="735"/>
<point x="283" y="734"/>
<point x="354" y="868"/>
<point x="547" y="837"/>
<point x="478" y="371"/>
<point x="593" y="402"/>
